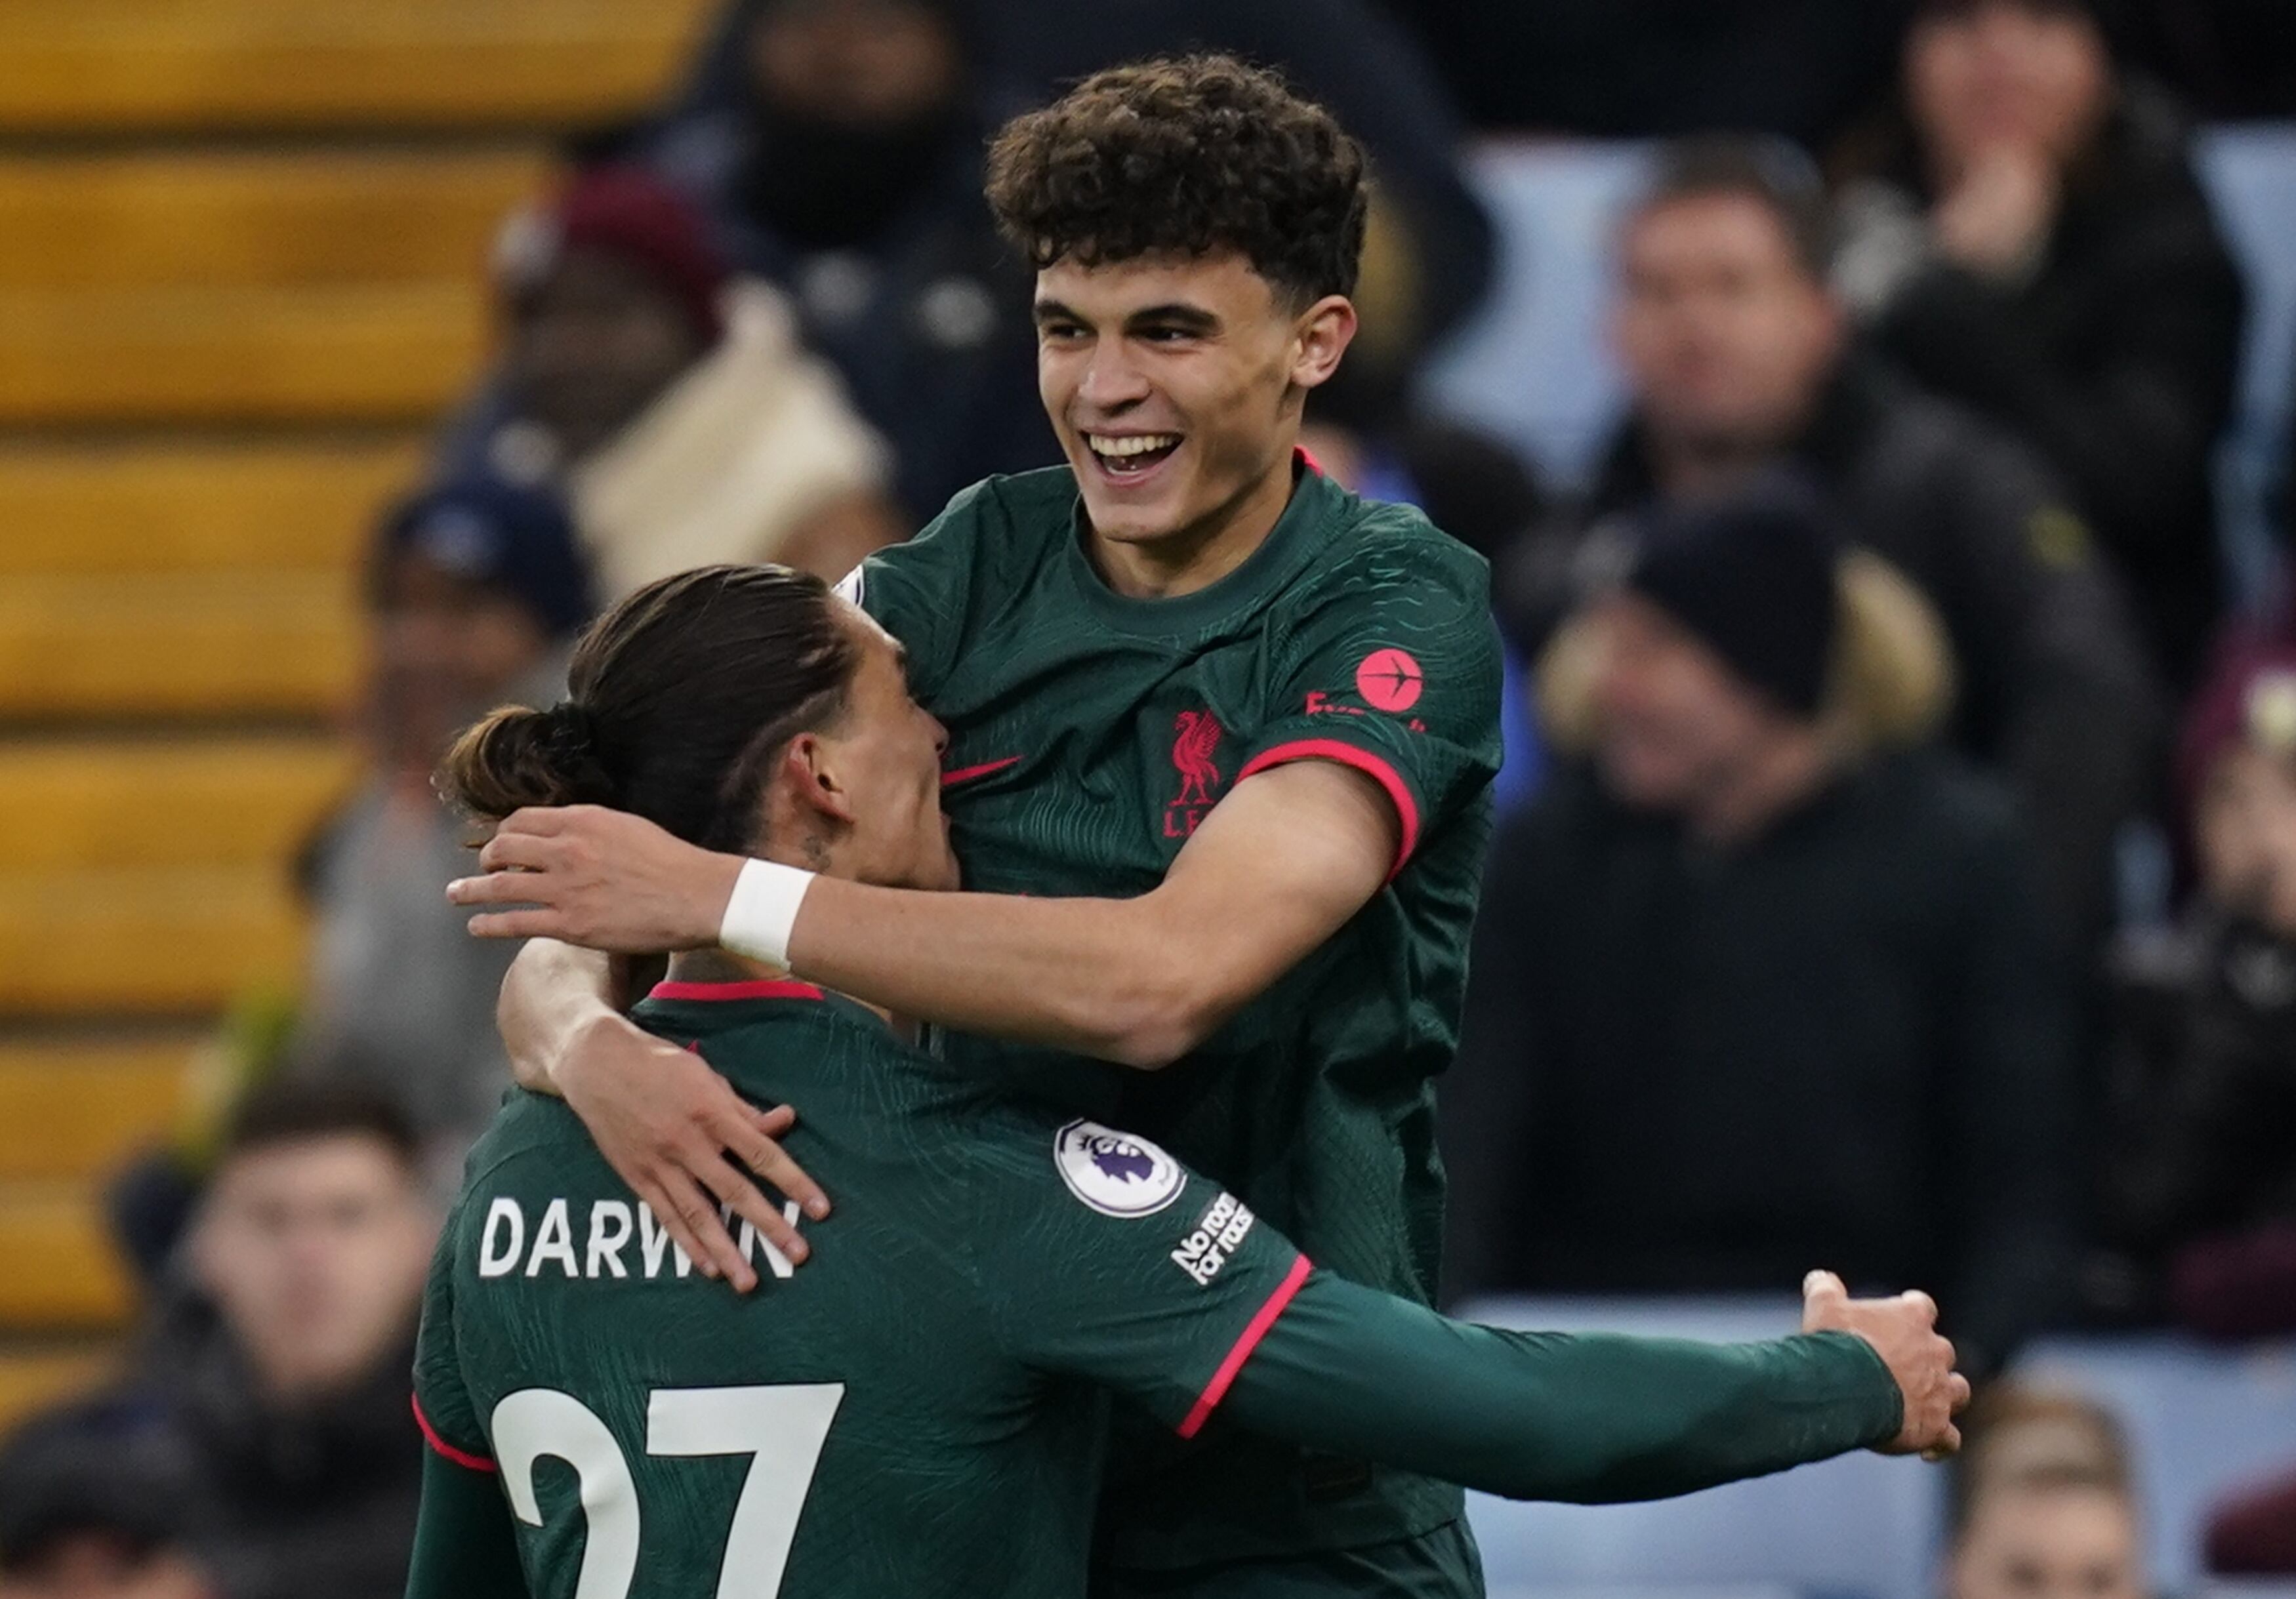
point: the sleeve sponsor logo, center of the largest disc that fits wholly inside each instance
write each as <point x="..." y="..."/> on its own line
<point x="1115" y="1173"/>
<point x="1203" y="1252"/>
<point x="1389" y="679"/>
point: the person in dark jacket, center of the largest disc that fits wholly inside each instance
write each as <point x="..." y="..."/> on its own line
<point x="839" y="147"/>
<point x="2199" y="1184"/>
<point x="2026" y="233"/>
<point x="1759" y="980"/>
<point x="283" y="1364"/>
<point x="1738" y="361"/>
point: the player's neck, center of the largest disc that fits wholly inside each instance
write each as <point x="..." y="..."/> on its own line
<point x="1195" y="557"/>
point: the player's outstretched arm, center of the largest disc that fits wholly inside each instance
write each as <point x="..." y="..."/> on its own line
<point x="464" y="1545"/>
<point x="671" y="1127"/>
<point x="1600" y="1418"/>
<point x="1278" y="868"/>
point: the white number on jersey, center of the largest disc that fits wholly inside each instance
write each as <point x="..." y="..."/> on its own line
<point x="782" y="1429"/>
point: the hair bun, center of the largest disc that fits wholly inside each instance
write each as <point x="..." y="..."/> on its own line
<point x="516" y="756"/>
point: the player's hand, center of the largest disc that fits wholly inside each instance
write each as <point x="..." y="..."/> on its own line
<point x="599" y="878"/>
<point x="673" y="1130"/>
<point x="1903" y="1331"/>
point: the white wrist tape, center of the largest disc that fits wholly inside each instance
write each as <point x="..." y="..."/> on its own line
<point x="763" y="910"/>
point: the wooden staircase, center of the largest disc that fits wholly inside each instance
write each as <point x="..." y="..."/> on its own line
<point x="241" y="272"/>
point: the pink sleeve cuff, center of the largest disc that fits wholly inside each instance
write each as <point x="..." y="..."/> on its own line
<point x="1224" y="1379"/>
<point x="461" y="1457"/>
<point x="1375" y="767"/>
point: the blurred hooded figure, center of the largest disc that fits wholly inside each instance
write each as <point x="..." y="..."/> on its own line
<point x="838" y="147"/>
<point x="673" y="405"/>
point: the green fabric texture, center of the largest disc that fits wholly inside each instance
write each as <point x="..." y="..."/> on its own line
<point x="464" y="1545"/>
<point x="1588" y="1419"/>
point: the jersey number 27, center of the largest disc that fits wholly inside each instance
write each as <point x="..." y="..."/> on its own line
<point x="782" y="1429"/>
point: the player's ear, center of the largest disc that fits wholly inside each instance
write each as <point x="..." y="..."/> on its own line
<point x="1320" y="337"/>
<point x="815" y="780"/>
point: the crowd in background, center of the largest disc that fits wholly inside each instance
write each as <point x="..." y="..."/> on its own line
<point x="1892" y="612"/>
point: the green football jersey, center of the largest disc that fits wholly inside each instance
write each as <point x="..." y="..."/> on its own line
<point x="1090" y="733"/>
<point x="920" y="1411"/>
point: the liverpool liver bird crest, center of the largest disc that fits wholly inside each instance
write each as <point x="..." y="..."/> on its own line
<point x="1194" y="736"/>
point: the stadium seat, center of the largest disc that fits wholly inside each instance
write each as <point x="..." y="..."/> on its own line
<point x="2250" y="172"/>
<point x="33" y="1378"/>
<point x="75" y="1109"/>
<point x="197" y="504"/>
<point x="2201" y="1421"/>
<point x="230" y="218"/>
<point x="340" y="353"/>
<point x="165" y="802"/>
<point x="116" y="66"/>
<point x="1859" y="1525"/>
<point x="184" y="940"/>
<point x="62" y="1270"/>
<point x="198" y="644"/>
<point x="1532" y="365"/>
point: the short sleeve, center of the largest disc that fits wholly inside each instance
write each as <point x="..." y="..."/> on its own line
<point x="1391" y="666"/>
<point x="917" y="590"/>
<point x="1107" y="1259"/>
<point x="443" y="1406"/>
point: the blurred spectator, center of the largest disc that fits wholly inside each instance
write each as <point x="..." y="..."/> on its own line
<point x="96" y="1502"/>
<point x="837" y="145"/>
<point x="672" y="404"/>
<point x="2027" y="234"/>
<point x="2201" y="1179"/>
<point x="476" y="589"/>
<point x="1636" y="68"/>
<point x="280" y="1364"/>
<point x="1758" y="988"/>
<point x="1738" y="359"/>
<point x="2042" y="1506"/>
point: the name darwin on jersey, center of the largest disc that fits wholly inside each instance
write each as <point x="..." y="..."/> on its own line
<point x="621" y="1240"/>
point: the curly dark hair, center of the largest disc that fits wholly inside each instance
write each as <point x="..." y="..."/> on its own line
<point x="1187" y="156"/>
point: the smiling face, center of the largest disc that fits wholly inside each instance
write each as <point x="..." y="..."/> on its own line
<point x="1175" y="385"/>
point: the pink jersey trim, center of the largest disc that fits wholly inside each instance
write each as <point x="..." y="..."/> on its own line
<point x="967" y="773"/>
<point x="1308" y="459"/>
<point x="473" y="1463"/>
<point x="771" y="988"/>
<point x="1225" y="1378"/>
<point x="1407" y="808"/>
